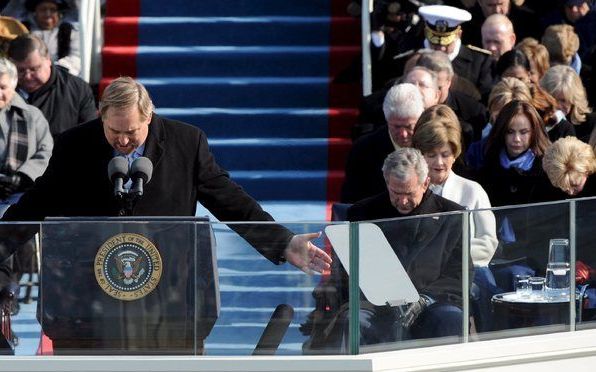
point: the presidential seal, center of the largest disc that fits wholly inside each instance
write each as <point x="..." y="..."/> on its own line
<point x="128" y="266"/>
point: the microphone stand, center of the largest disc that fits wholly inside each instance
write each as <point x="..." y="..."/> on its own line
<point x="127" y="203"/>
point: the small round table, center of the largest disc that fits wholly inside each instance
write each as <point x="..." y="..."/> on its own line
<point x="513" y="311"/>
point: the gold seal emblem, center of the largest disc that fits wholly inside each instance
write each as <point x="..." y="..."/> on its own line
<point x="128" y="266"/>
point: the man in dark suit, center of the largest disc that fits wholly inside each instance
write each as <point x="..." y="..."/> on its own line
<point x="402" y="107"/>
<point x="472" y="114"/>
<point x="185" y="172"/>
<point x="64" y="99"/>
<point x="443" y="32"/>
<point x="429" y="248"/>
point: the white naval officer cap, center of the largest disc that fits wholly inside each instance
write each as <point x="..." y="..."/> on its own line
<point x="443" y="22"/>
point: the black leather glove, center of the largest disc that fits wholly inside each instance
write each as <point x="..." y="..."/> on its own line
<point x="10" y="184"/>
<point x="415" y="309"/>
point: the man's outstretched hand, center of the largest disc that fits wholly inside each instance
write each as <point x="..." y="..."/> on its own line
<point x="306" y="256"/>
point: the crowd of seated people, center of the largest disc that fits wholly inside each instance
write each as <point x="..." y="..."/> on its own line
<point x="40" y="97"/>
<point x="520" y="131"/>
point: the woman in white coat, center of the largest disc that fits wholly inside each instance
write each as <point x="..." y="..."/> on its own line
<point x="438" y="137"/>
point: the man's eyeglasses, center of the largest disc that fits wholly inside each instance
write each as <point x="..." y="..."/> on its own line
<point x="33" y="70"/>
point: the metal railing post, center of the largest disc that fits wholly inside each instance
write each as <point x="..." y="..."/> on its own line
<point x="572" y="257"/>
<point x="367" y="8"/>
<point x="465" y="277"/>
<point x="354" y="290"/>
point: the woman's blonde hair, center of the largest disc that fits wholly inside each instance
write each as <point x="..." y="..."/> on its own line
<point x="537" y="54"/>
<point x="568" y="159"/>
<point x="505" y="91"/>
<point x="437" y="126"/>
<point x="564" y="81"/>
<point x="562" y="43"/>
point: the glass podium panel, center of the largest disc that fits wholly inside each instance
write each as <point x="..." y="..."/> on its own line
<point x="524" y="288"/>
<point x="269" y="309"/>
<point x="412" y="283"/>
<point x="178" y="286"/>
<point x="127" y="287"/>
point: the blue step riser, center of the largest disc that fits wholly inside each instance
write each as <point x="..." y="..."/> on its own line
<point x="282" y="157"/>
<point x="258" y="126"/>
<point x="230" y="316"/>
<point x="240" y="334"/>
<point x="232" y="64"/>
<point x="282" y="189"/>
<point x="264" y="281"/>
<point x="240" y="34"/>
<point x="265" y="300"/>
<point x="235" y="8"/>
<point x="243" y="96"/>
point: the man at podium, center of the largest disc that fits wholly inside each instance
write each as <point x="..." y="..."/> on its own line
<point x="181" y="172"/>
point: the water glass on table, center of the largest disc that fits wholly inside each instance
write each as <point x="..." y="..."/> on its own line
<point x="522" y="286"/>
<point x="537" y="286"/>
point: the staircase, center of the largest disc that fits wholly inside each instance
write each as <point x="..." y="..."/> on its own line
<point x="258" y="76"/>
<point x="274" y="84"/>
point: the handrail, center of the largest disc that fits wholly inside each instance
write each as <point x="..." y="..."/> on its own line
<point x="90" y="39"/>
<point x="367" y="8"/>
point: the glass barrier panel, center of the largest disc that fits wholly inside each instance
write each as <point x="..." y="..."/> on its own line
<point x="521" y="283"/>
<point x="19" y="248"/>
<point x="268" y="309"/>
<point x="411" y="284"/>
<point x="585" y="264"/>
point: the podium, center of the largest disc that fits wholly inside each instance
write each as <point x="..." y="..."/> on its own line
<point x="128" y="286"/>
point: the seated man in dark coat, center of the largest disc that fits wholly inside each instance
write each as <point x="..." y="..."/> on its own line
<point x="472" y="114"/>
<point x="430" y="249"/>
<point x="402" y="107"/>
<point x="65" y="100"/>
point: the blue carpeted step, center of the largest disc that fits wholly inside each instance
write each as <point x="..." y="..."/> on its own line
<point x="175" y="31"/>
<point x="256" y="315"/>
<point x="166" y="61"/>
<point x="271" y="153"/>
<point x="245" y="92"/>
<point x="260" y="122"/>
<point x="235" y="8"/>
<point x="246" y="274"/>
<point x="296" y="185"/>
<point x="250" y="333"/>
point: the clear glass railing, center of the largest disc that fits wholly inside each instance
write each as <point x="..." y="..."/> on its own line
<point x="193" y="287"/>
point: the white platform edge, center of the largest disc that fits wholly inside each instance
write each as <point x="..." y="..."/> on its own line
<point x="545" y="352"/>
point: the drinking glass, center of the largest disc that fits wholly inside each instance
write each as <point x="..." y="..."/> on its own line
<point x="522" y="286"/>
<point x="537" y="286"/>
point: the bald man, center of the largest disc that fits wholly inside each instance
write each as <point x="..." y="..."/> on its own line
<point x="497" y="35"/>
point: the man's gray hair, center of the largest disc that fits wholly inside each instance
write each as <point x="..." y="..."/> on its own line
<point x="433" y="75"/>
<point x="21" y="48"/>
<point x="402" y="162"/>
<point x="403" y="101"/>
<point x="436" y="61"/>
<point x="8" y="68"/>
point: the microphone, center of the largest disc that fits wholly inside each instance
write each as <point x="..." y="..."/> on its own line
<point x="140" y="171"/>
<point x="275" y="330"/>
<point x="118" y="174"/>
